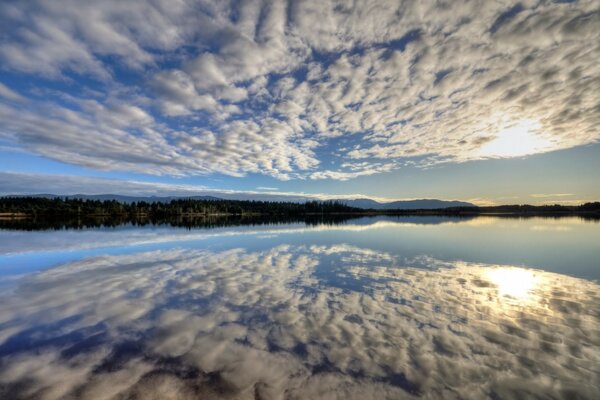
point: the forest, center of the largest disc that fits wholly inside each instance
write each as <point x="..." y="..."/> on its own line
<point x="41" y="206"/>
<point x="72" y="207"/>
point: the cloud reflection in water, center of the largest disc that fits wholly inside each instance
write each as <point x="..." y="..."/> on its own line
<point x="297" y="322"/>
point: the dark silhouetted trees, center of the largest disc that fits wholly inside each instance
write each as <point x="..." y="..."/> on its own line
<point x="40" y="206"/>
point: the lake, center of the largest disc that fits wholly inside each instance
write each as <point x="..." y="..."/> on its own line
<point x="367" y="308"/>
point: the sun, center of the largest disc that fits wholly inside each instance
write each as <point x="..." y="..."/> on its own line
<point x="517" y="139"/>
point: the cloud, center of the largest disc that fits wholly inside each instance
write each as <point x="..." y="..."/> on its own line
<point x="19" y="183"/>
<point x="353" y="171"/>
<point x="239" y="323"/>
<point x="24" y="183"/>
<point x="545" y="195"/>
<point x="9" y="94"/>
<point x="270" y="88"/>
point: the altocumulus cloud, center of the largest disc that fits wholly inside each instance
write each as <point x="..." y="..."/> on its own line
<point x="312" y="89"/>
<point x="18" y="183"/>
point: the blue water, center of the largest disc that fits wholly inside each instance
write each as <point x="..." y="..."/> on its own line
<point x="383" y="307"/>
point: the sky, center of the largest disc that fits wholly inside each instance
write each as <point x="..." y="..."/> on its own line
<point x="486" y="101"/>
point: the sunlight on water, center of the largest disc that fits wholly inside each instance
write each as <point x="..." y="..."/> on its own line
<point x="513" y="282"/>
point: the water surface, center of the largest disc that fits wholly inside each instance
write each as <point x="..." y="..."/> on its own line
<point x="412" y="307"/>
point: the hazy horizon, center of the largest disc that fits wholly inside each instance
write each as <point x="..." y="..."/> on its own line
<point x="537" y="200"/>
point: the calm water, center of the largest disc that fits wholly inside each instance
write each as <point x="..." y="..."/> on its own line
<point x="374" y="308"/>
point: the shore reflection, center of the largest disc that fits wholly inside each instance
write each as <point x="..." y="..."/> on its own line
<point x="297" y="322"/>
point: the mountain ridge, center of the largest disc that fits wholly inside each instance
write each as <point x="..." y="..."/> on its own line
<point x="418" y="204"/>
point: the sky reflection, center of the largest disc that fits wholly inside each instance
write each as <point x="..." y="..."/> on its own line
<point x="565" y="245"/>
<point x="297" y="321"/>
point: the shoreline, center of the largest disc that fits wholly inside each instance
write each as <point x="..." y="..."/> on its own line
<point x="366" y="213"/>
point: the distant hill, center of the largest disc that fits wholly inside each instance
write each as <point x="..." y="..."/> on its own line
<point x="423" y="204"/>
<point x="364" y="203"/>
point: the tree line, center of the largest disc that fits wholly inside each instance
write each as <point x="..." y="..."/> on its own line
<point x="78" y="208"/>
<point x="591" y="209"/>
<point x="40" y="206"/>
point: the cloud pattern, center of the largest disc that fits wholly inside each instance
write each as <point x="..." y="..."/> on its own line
<point x="308" y="90"/>
<point x="293" y="322"/>
<point x="20" y="183"/>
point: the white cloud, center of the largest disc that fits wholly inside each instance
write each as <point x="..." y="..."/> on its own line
<point x="17" y="183"/>
<point x="353" y="170"/>
<point x="253" y="87"/>
<point x="545" y="195"/>
<point x="10" y="94"/>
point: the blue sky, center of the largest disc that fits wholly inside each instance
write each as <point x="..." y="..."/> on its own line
<point x="493" y="102"/>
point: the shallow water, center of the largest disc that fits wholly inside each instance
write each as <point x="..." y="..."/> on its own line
<point x="423" y="307"/>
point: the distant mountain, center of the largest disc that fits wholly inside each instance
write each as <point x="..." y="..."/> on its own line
<point x="365" y="203"/>
<point x="422" y="204"/>
<point x="362" y="203"/>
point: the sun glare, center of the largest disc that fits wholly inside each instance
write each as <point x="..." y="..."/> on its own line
<point x="518" y="139"/>
<point x="513" y="282"/>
